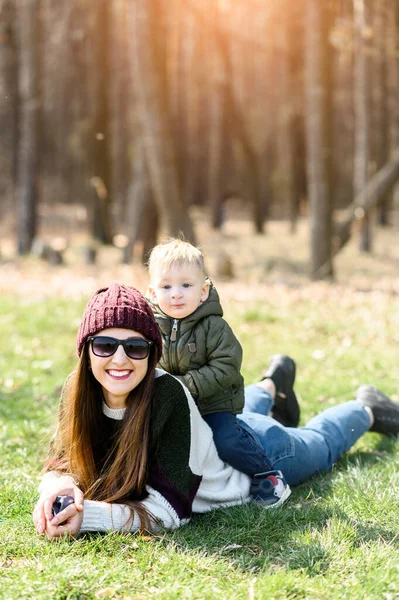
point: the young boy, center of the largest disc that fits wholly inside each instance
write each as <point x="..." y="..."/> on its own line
<point x="200" y="349"/>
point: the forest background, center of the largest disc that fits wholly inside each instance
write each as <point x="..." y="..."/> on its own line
<point x="119" y="118"/>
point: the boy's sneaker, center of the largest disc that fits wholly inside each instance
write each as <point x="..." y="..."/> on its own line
<point x="385" y="411"/>
<point x="281" y="371"/>
<point x="270" y="489"/>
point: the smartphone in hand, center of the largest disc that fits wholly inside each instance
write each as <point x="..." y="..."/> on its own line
<point x="60" y="503"/>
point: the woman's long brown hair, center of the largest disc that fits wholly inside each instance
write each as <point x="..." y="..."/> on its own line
<point x="125" y="470"/>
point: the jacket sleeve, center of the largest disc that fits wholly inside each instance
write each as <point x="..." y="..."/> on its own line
<point x="222" y="364"/>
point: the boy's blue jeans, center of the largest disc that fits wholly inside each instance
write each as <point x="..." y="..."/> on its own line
<point x="301" y="452"/>
<point x="237" y="444"/>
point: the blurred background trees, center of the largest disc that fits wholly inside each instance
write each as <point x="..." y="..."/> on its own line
<point x="129" y="112"/>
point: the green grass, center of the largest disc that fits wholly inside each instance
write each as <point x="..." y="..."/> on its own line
<point x="338" y="537"/>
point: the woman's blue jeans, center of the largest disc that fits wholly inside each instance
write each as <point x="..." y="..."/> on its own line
<point x="301" y="452"/>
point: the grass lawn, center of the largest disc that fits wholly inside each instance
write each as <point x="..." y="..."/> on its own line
<point x="337" y="537"/>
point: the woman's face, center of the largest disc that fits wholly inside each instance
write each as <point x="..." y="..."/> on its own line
<point x="118" y="374"/>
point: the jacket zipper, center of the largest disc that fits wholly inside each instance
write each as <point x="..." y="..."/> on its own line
<point x="173" y="347"/>
<point x="173" y="333"/>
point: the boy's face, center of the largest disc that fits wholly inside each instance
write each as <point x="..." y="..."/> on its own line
<point x="178" y="290"/>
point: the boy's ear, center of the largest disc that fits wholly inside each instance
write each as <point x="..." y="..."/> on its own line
<point x="151" y="294"/>
<point x="205" y="291"/>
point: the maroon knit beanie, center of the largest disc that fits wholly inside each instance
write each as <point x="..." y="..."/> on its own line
<point x="118" y="306"/>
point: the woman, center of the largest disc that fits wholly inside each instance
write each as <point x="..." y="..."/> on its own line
<point x="132" y="450"/>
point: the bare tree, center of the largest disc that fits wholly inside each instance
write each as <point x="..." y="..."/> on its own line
<point x="238" y="127"/>
<point x="379" y="143"/>
<point x="285" y="139"/>
<point x="151" y="95"/>
<point x="343" y="117"/>
<point x="362" y="114"/>
<point x="191" y="72"/>
<point x="392" y="82"/>
<point x="120" y="100"/>
<point x="8" y="101"/>
<point x="217" y="126"/>
<point x="100" y="214"/>
<point x="141" y="222"/>
<point x="318" y="115"/>
<point x="28" y="22"/>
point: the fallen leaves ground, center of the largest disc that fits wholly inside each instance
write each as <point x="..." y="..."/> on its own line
<point x="268" y="265"/>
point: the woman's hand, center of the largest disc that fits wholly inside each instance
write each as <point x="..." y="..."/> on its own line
<point x="71" y="517"/>
<point x="67" y="522"/>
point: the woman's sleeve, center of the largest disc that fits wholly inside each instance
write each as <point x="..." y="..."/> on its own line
<point x="104" y="516"/>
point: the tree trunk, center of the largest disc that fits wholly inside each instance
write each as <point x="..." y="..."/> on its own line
<point x="379" y="118"/>
<point x="362" y="116"/>
<point x="392" y="83"/>
<point x="237" y="127"/>
<point x="80" y="110"/>
<point x="120" y="99"/>
<point x="342" y="114"/>
<point x="177" y="81"/>
<point x="297" y="134"/>
<point x="318" y="114"/>
<point x="8" y="103"/>
<point x="149" y="74"/>
<point x="28" y="17"/>
<point x="193" y="69"/>
<point x="141" y="219"/>
<point x="285" y="140"/>
<point x="101" y="225"/>
<point x="57" y="92"/>
<point x="216" y="126"/>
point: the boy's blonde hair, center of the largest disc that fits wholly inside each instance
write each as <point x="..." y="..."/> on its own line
<point x="175" y="251"/>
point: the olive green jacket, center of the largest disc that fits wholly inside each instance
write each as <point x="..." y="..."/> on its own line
<point x="204" y="353"/>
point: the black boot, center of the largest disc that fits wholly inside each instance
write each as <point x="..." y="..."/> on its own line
<point x="385" y="411"/>
<point x="281" y="371"/>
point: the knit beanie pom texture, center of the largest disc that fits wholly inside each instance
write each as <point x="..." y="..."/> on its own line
<point x="118" y="306"/>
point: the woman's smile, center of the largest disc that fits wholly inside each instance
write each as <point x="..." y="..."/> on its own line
<point x="119" y="374"/>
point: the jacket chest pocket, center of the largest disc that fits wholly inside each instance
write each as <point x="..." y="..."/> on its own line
<point x="192" y="353"/>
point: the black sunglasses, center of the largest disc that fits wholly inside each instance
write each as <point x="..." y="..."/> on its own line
<point x="105" y="346"/>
